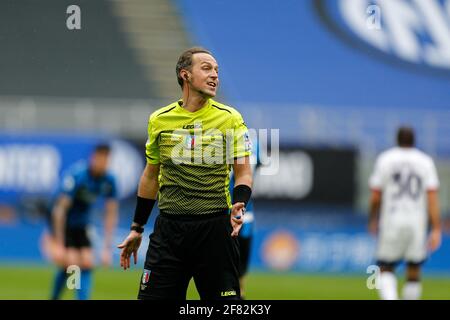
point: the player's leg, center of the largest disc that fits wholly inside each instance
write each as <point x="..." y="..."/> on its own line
<point x="86" y="266"/>
<point x="79" y="254"/>
<point x="412" y="290"/>
<point x="390" y="251"/>
<point x="59" y="282"/>
<point x="165" y="275"/>
<point x="216" y="272"/>
<point x="68" y="258"/>
<point x="85" y="262"/>
<point x="415" y="257"/>
<point x="387" y="281"/>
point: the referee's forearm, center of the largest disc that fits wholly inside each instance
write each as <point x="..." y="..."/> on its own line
<point x="148" y="188"/>
<point x="246" y="179"/>
<point x="148" y="184"/>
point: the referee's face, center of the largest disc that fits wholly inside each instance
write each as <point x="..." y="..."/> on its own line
<point x="205" y="74"/>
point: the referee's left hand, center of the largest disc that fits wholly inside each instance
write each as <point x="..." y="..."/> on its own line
<point x="237" y="217"/>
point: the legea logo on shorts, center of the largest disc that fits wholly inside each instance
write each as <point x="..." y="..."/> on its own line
<point x="415" y="32"/>
<point x="228" y="293"/>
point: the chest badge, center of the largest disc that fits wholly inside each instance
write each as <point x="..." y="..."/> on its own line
<point x="189" y="142"/>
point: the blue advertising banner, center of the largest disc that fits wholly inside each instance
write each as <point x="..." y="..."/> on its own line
<point x="341" y="250"/>
<point x="32" y="163"/>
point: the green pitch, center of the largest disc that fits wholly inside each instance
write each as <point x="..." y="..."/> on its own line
<point x="34" y="282"/>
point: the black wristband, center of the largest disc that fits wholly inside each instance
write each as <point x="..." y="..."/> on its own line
<point x="143" y="209"/>
<point x="138" y="229"/>
<point x="242" y="193"/>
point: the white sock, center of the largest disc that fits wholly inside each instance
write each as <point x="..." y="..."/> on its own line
<point x="412" y="290"/>
<point x="387" y="286"/>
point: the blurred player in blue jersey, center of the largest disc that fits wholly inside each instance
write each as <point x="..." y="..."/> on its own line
<point x="246" y="234"/>
<point x="70" y="219"/>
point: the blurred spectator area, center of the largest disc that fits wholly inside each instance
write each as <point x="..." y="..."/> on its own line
<point x="123" y="50"/>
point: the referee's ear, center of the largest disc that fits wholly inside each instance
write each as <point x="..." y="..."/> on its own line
<point x="184" y="75"/>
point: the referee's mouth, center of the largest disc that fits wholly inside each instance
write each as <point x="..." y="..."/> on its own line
<point x="212" y="84"/>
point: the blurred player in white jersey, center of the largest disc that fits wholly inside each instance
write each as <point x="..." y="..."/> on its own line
<point x="404" y="202"/>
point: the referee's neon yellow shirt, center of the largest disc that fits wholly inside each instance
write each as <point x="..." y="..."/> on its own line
<point x="195" y="151"/>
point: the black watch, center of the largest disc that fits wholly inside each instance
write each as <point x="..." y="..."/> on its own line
<point x="138" y="229"/>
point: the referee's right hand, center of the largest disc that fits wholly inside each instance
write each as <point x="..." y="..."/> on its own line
<point x="129" y="246"/>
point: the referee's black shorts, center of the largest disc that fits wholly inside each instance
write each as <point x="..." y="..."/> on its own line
<point x="182" y="247"/>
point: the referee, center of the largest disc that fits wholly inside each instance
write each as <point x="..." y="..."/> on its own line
<point x="192" y="145"/>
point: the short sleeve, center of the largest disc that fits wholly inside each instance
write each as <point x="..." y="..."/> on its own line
<point x="68" y="185"/>
<point x="242" y="143"/>
<point x="376" y="178"/>
<point x="151" y="146"/>
<point x="432" y="181"/>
